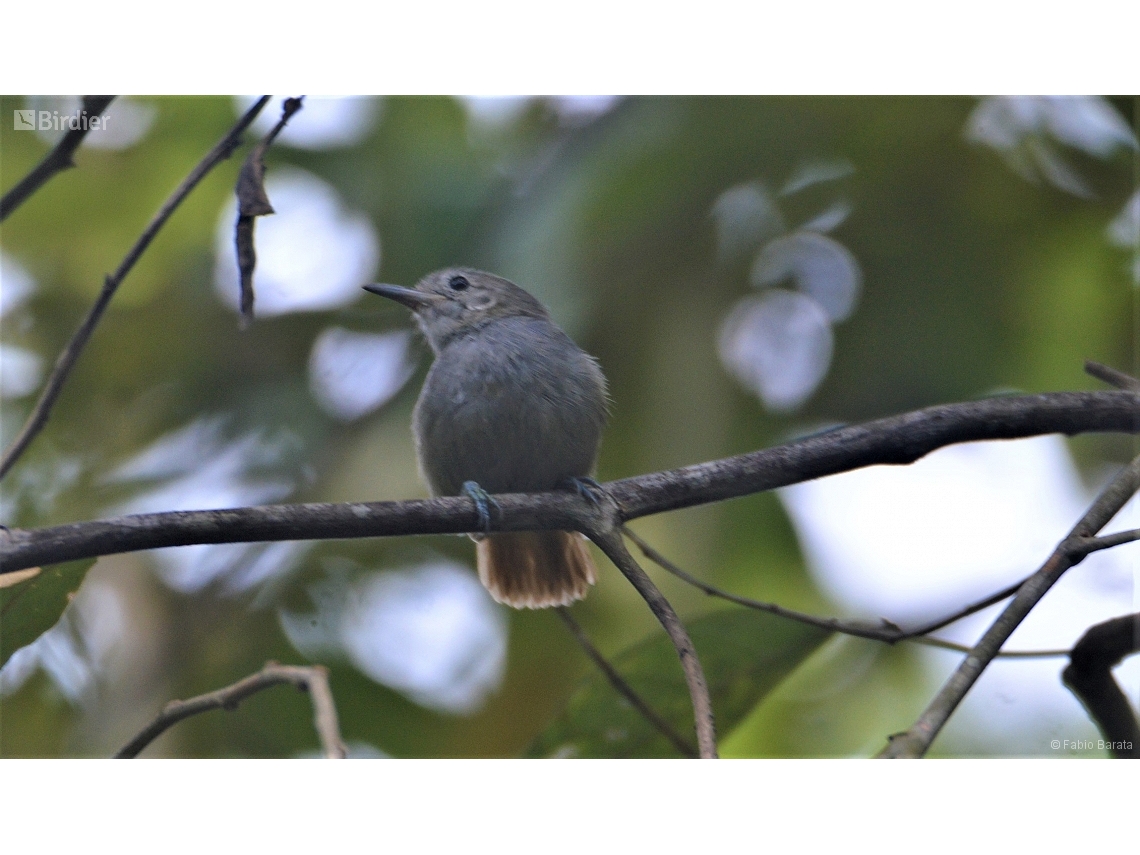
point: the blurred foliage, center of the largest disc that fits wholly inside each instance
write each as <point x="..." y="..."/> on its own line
<point x="29" y="607"/>
<point x="744" y="653"/>
<point x="974" y="279"/>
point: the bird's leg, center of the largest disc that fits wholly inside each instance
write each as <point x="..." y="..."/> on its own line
<point x="484" y="501"/>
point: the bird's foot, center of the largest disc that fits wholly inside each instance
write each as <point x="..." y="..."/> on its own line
<point x="484" y="501"/>
<point x="587" y="488"/>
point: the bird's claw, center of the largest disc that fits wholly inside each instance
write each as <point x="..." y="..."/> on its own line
<point x="484" y="501"/>
<point x="587" y="488"/>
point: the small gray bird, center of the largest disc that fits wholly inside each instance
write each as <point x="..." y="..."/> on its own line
<point x="510" y="405"/>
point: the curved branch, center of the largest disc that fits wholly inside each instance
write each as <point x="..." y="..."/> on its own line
<point x="1089" y="677"/>
<point x="56" y="160"/>
<point x="66" y="360"/>
<point x="312" y="679"/>
<point x="899" y="439"/>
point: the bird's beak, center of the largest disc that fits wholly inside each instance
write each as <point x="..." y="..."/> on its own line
<point x="410" y="297"/>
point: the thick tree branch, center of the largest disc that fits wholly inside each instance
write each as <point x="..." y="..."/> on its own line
<point x="56" y="160"/>
<point x="624" y="689"/>
<point x="317" y="521"/>
<point x="892" y="440"/>
<point x="916" y="741"/>
<point x="312" y="679"/>
<point x="895" y="440"/>
<point x="1089" y="676"/>
<point x="70" y="354"/>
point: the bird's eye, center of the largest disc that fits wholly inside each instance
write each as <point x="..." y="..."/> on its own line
<point x="458" y="283"/>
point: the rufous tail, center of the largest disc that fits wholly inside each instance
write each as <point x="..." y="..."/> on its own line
<point x="535" y="569"/>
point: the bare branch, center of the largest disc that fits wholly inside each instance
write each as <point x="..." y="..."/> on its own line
<point x="56" y="160"/>
<point x="916" y="741"/>
<point x="624" y="689"/>
<point x="890" y="440"/>
<point x="1111" y="376"/>
<point x="70" y="354"/>
<point x="312" y="679"/>
<point x="1089" y="676"/>
<point x="610" y="542"/>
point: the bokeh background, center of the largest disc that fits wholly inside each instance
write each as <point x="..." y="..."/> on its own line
<point x="747" y="270"/>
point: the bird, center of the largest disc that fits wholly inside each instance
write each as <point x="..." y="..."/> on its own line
<point x="510" y="405"/>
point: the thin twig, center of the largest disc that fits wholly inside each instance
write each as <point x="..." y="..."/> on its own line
<point x="610" y="542"/>
<point x="917" y="740"/>
<point x="935" y="625"/>
<point x="313" y="679"/>
<point x="887" y="633"/>
<point x="1111" y="376"/>
<point x="856" y="628"/>
<point x="1089" y="676"/>
<point x="883" y="441"/>
<point x="56" y="160"/>
<point x="943" y="644"/>
<point x="70" y="354"/>
<point x="624" y="689"/>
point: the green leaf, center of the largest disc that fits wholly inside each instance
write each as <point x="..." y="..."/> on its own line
<point x="32" y="606"/>
<point x="745" y="654"/>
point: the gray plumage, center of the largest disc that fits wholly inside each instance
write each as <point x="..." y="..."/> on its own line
<point x="514" y="405"/>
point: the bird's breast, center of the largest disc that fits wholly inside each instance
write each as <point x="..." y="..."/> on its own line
<point x="517" y="407"/>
